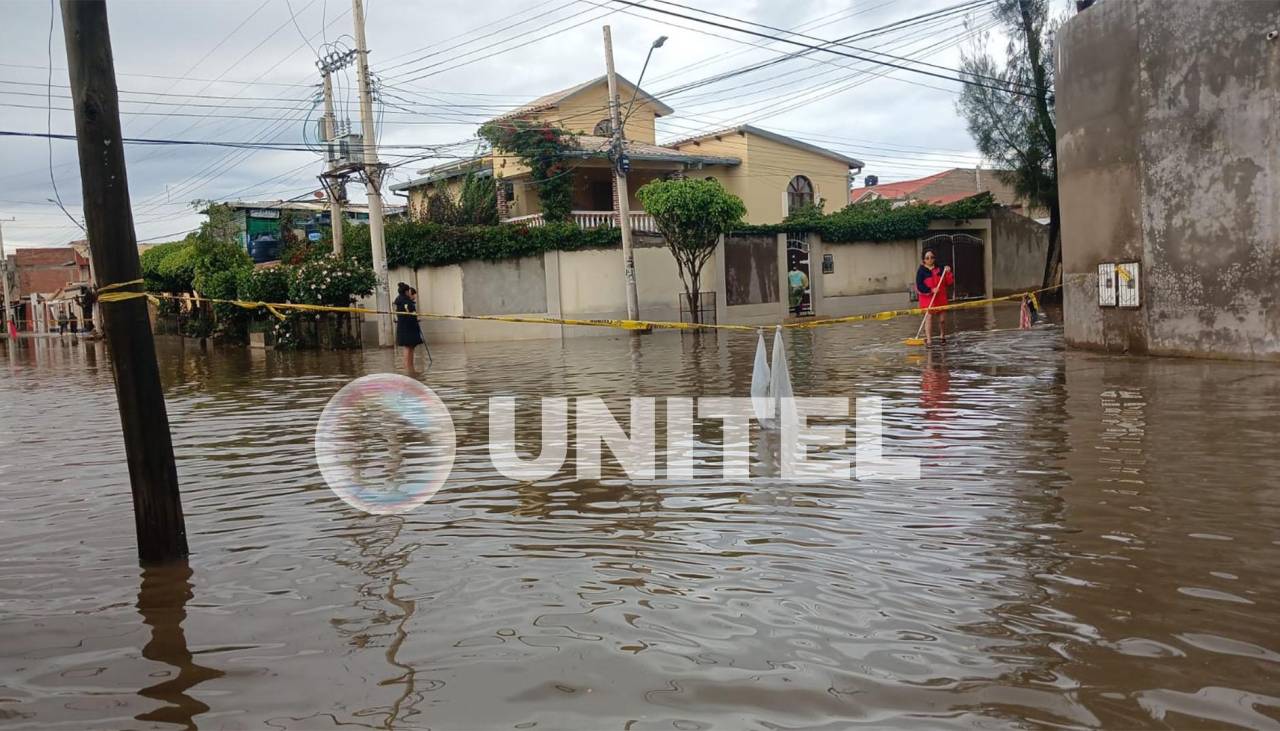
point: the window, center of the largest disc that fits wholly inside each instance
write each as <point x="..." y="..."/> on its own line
<point x="799" y="193"/>
<point x="604" y="128"/>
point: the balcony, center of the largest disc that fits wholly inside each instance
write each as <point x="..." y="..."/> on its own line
<point x="640" y="221"/>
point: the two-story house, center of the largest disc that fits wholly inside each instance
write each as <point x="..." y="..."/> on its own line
<point x="772" y="173"/>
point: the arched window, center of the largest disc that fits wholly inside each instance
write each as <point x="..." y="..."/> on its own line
<point x="604" y="128"/>
<point x="799" y="193"/>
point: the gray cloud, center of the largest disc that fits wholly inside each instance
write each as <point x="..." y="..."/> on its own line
<point x="902" y="130"/>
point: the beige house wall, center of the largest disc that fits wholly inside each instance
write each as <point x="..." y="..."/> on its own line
<point x="418" y="196"/>
<point x="734" y="178"/>
<point x="583" y="111"/>
<point x="766" y="170"/>
<point x="771" y="166"/>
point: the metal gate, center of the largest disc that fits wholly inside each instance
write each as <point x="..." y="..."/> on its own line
<point x="964" y="254"/>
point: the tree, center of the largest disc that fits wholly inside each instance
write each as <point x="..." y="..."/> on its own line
<point x="691" y="215"/>
<point x="478" y="200"/>
<point x="219" y="225"/>
<point x="1009" y="111"/>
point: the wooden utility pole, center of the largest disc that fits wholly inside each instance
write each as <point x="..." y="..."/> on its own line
<point x="373" y="180"/>
<point x="622" y="202"/>
<point x="157" y="505"/>
<point x="335" y="187"/>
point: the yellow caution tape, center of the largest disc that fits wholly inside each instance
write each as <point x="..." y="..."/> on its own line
<point x="107" y="293"/>
<point x="275" y="308"/>
<point x="890" y="314"/>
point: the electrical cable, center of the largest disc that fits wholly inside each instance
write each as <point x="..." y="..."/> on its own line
<point x="49" y="121"/>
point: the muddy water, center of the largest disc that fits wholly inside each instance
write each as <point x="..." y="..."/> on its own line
<point x="1094" y="543"/>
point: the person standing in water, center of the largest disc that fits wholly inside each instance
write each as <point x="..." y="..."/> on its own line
<point x="931" y="285"/>
<point x="797" y="283"/>
<point x="408" y="331"/>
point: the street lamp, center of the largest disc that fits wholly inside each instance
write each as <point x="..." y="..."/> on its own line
<point x="656" y="44"/>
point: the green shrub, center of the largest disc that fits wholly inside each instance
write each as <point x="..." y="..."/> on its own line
<point x="333" y="281"/>
<point x="423" y="243"/>
<point x="878" y="220"/>
<point x="265" y="284"/>
<point x="217" y="258"/>
<point x="169" y="267"/>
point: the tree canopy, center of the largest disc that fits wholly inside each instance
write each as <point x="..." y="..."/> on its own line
<point x="691" y="215"/>
<point x="1008" y="107"/>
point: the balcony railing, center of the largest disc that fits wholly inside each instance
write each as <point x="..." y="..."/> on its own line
<point x="640" y="221"/>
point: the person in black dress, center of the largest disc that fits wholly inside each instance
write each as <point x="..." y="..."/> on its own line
<point x="408" y="331"/>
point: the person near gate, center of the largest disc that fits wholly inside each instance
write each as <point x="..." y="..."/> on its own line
<point x="797" y="283"/>
<point x="931" y="284"/>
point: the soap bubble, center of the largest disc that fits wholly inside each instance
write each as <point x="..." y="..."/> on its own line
<point x="385" y="443"/>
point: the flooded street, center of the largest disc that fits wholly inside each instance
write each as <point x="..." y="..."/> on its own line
<point x="1093" y="543"/>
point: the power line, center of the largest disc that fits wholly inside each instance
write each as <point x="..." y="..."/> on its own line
<point x="400" y="77"/>
<point x="495" y="31"/>
<point x="847" y="45"/>
<point x="49" y="118"/>
<point x="294" y="17"/>
<point x="219" y="143"/>
<point x="175" y="78"/>
<point x="825" y="49"/>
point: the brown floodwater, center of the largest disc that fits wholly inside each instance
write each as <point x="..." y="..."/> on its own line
<point x="1093" y="543"/>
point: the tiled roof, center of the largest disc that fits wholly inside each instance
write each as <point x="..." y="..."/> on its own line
<point x="555" y="98"/>
<point x="751" y="129"/>
<point x="592" y="146"/>
<point x="951" y="197"/>
<point x="481" y="166"/>
<point x="895" y="191"/>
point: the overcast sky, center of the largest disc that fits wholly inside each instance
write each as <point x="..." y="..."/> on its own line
<point x="240" y="71"/>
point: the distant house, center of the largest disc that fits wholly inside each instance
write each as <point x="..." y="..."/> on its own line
<point x="947" y="186"/>
<point x="261" y="223"/>
<point x="773" y="174"/>
<point x="42" y="275"/>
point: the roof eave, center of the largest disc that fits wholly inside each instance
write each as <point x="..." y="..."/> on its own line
<point x="852" y="162"/>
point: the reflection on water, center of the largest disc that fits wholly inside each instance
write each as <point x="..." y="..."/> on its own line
<point x="163" y="594"/>
<point x="1092" y="544"/>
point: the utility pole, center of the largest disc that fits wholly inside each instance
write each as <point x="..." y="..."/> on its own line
<point x="622" y="205"/>
<point x="373" y="180"/>
<point x="157" y="505"/>
<point x="334" y="186"/>
<point x="4" y="272"/>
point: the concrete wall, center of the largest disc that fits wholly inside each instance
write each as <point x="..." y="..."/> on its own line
<point x="571" y="284"/>
<point x="1167" y="138"/>
<point x="1019" y="247"/>
<point x="867" y="277"/>
<point x="507" y="287"/>
<point x="866" y="267"/>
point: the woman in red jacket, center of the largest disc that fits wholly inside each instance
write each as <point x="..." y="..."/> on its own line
<point x="931" y="285"/>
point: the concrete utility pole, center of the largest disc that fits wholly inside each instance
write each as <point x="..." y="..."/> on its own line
<point x="4" y="272"/>
<point x="622" y="202"/>
<point x="157" y="505"/>
<point x="373" y="180"/>
<point x="335" y="187"/>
